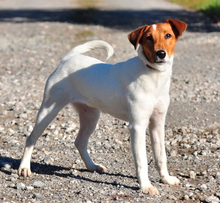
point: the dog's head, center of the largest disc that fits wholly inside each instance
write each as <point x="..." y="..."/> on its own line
<point x="158" y="40"/>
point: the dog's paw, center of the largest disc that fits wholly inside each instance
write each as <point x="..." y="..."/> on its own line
<point x="171" y="180"/>
<point x="25" y="172"/>
<point x="151" y="190"/>
<point x="98" y="168"/>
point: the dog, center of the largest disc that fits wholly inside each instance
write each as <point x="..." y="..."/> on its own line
<point x="136" y="90"/>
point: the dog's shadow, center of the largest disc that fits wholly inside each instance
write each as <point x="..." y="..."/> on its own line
<point x="48" y="169"/>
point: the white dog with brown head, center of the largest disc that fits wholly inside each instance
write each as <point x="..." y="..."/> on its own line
<point x="136" y="91"/>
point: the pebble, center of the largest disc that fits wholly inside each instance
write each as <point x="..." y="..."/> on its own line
<point x="172" y="197"/>
<point x="201" y="197"/>
<point x="173" y="152"/>
<point x="12" y="179"/>
<point x="203" y="187"/>
<point x="23" y="116"/>
<point x="74" y="172"/>
<point x="20" y="186"/>
<point x="15" y="175"/>
<point x="48" y="160"/>
<point x="8" y="165"/>
<point x="204" y="173"/>
<point x="186" y="197"/>
<point x="217" y="175"/>
<point x="30" y="128"/>
<point x="39" y="184"/>
<point x="29" y="187"/>
<point x="192" y="174"/>
<point x="212" y="199"/>
<point x="37" y="195"/>
<point x="217" y="194"/>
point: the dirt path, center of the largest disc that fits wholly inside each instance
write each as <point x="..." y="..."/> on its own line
<point x="35" y="35"/>
<point x="99" y="4"/>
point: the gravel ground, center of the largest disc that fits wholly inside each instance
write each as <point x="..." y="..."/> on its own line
<point x="32" y="45"/>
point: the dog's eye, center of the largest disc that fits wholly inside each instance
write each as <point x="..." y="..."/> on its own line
<point x="167" y="36"/>
<point x="150" y="38"/>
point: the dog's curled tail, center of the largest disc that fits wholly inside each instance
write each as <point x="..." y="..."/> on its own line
<point x="95" y="44"/>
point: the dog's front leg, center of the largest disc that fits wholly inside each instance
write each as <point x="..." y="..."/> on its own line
<point x="157" y="135"/>
<point x="138" y="137"/>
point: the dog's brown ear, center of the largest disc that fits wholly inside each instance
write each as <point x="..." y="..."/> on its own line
<point x="178" y="27"/>
<point x="135" y="36"/>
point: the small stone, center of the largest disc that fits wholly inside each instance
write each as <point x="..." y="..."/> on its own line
<point x="77" y="161"/>
<point x="212" y="199"/>
<point x="192" y="174"/>
<point x="47" y="160"/>
<point x="185" y="139"/>
<point x="39" y="184"/>
<point x="191" y="194"/>
<point x="30" y="128"/>
<point x="173" y="153"/>
<point x="203" y="187"/>
<point x="29" y="187"/>
<point x="11" y="131"/>
<point x="37" y="195"/>
<point x="217" y="175"/>
<point x="217" y="194"/>
<point x="204" y="173"/>
<point x="15" y="175"/>
<point x="12" y="179"/>
<point x="52" y="126"/>
<point x="74" y="172"/>
<point x="186" y="197"/>
<point x="172" y="197"/>
<point x="14" y="142"/>
<point x="201" y="197"/>
<point x="20" y="186"/>
<point x="73" y="166"/>
<point x="55" y="132"/>
<point x="6" y="165"/>
<point x="184" y="130"/>
<point x="23" y="115"/>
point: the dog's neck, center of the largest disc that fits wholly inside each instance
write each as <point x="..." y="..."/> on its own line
<point x="153" y="66"/>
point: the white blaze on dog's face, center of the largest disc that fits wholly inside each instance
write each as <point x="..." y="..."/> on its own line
<point x="158" y="40"/>
<point x="154" y="26"/>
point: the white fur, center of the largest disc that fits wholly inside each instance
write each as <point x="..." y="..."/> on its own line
<point x="128" y="90"/>
<point x="154" y="26"/>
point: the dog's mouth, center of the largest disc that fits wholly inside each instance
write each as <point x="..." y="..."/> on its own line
<point x="160" y="61"/>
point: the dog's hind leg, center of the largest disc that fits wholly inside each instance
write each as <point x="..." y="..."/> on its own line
<point x="88" y="119"/>
<point x="49" y="109"/>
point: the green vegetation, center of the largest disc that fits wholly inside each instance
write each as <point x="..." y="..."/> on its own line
<point x="209" y="7"/>
<point x="88" y="3"/>
<point x="84" y="34"/>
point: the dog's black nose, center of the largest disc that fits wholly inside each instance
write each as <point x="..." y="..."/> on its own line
<point x="161" y="54"/>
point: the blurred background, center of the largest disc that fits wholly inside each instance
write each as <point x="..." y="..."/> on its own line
<point x="123" y="14"/>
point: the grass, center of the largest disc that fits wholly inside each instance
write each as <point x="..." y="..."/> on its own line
<point x="84" y="34"/>
<point x="208" y="7"/>
<point x="88" y="3"/>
